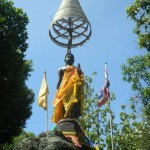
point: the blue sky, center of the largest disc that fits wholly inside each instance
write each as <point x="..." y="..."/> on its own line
<point x="112" y="41"/>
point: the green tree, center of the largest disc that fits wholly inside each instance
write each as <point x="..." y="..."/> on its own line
<point x="134" y="129"/>
<point x="95" y="120"/>
<point x="17" y="139"/>
<point x="15" y="97"/>
<point x="139" y="12"/>
<point x="129" y="132"/>
<point x="136" y="71"/>
<point x="132" y="132"/>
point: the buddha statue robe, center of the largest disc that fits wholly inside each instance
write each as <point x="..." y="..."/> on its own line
<point x="68" y="100"/>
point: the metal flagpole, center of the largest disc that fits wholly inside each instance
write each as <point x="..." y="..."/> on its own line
<point x="110" y="121"/>
<point x="111" y="130"/>
<point x="46" y="105"/>
<point x="47" y="116"/>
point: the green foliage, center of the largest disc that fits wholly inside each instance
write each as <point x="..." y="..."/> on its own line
<point x="17" y="139"/>
<point x="95" y="121"/>
<point x="139" y="12"/>
<point x="130" y="132"/>
<point x="15" y="97"/>
<point x="133" y="132"/>
<point x="136" y="71"/>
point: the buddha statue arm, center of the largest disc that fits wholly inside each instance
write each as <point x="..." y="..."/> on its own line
<point x="79" y="69"/>
<point x="60" y="76"/>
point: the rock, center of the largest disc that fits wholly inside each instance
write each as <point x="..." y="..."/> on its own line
<point x="51" y="140"/>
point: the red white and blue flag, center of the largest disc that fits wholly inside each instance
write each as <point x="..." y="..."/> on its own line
<point x="104" y="94"/>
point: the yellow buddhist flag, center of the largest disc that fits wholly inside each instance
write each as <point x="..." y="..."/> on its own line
<point x="42" y="98"/>
<point x="96" y="147"/>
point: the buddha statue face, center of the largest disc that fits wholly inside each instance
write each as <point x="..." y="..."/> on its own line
<point x="69" y="59"/>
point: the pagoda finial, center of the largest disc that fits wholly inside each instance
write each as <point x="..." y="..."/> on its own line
<point x="70" y="27"/>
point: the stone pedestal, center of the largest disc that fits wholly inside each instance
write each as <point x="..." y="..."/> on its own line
<point x="71" y="129"/>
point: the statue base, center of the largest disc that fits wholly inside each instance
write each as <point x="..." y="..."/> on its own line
<point x="72" y="130"/>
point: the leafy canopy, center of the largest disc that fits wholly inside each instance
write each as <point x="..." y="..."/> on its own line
<point x="137" y="69"/>
<point x="15" y="97"/>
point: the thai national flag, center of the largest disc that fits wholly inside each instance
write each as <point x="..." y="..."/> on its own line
<point x="103" y="96"/>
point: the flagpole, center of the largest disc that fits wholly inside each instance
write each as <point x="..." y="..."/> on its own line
<point x="42" y="98"/>
<point x="111" y="130"/>
<point x="110" y="121"/>
<point x="47" y="116"/>
<point x="47" y="108"/>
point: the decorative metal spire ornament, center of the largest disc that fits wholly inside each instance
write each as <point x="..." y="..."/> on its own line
<point x="71" y="27"/>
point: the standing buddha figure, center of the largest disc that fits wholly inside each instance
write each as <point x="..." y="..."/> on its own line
<point x="69" y="97"/>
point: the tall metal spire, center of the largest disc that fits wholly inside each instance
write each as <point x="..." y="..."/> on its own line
<point x="70" y="27"/>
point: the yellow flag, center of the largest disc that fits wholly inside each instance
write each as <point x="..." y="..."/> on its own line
<point x="42" y="98"/>
<point x="96" y="147"/>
